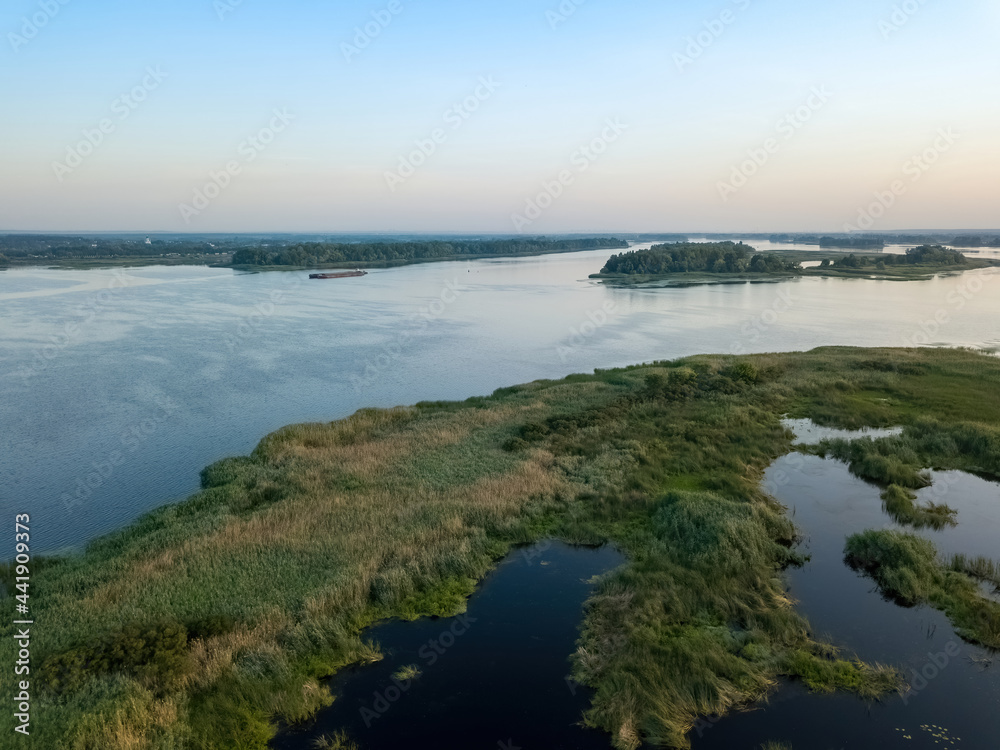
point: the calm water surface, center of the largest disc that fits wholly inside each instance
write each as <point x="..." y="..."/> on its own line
<point x="118" y="387"/>
<point x="496" y="677"/>
<point x="956" y="697"/>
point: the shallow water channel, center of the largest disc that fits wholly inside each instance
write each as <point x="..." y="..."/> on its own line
<point x="955" y="696"/>
<point x="496" y="678"/>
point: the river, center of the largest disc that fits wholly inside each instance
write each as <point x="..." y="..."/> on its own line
<point x="118" y="386"/>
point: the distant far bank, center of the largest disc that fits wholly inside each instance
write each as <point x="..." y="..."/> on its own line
<point x="259" y="252"/>
<point x="275" y="255"/>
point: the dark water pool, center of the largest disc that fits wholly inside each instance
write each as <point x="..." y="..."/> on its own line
<point x="956" y="698"/>
<point x="495" y="678"/>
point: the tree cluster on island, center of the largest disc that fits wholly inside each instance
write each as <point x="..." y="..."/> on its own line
<point x="698" y="257"/>
<point x="925" y="255"/>
<point x="324" y="253"/>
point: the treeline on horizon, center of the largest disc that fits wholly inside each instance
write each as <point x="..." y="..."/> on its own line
<point x="697" y="257"/>
<point x="962" y="240"/>
<point x="26" y="247"/>
<point x="935" y="255"/>
<point x="322" y="253"/>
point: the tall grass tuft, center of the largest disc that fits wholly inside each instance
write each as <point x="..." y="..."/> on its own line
<point x="980" y="568"/>
<point x="907" y="569"/>
<point x="901" y="506"/>
<point x="335" y="741"/>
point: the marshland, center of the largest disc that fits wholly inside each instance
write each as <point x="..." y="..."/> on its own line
<point x="208" y="621"/>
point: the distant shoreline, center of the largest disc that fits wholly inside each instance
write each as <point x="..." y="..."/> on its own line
<point x="911" y="273"/>
<point x="225" y="261"/>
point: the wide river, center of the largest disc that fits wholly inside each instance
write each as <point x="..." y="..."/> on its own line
<point x="118" y="386"/>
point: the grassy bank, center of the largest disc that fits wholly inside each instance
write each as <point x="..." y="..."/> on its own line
<point x="889" y="273"/>
<point x="206" y="622"/>
<point x="908" y="570"/>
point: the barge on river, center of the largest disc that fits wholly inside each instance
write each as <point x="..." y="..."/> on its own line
<point x="338" y="275"/>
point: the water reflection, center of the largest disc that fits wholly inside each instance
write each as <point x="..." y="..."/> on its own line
<point x="955" y="690"/>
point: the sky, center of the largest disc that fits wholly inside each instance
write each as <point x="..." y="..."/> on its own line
<point x="499" y="116"/>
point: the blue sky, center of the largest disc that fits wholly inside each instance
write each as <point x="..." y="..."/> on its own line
<point x="691" y="112"/>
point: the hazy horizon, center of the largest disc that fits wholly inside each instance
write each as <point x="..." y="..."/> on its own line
<point x="529" y="116"/>
<point x="959" y="231"/>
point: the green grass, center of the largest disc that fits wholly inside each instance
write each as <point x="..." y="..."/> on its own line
<point x="899" y="503"/>
<point x="295" y="550"/>
<point x="907" y="569"/>
<point x="980" y="568"/>
<point x="409" y="672"/>
<point x="336" y="741"/>
<point x="899" y="463"/>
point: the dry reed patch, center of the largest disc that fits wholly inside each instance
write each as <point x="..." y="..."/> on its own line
<point x="532" y="478"/>
<point x="369" y="455"/>
<point x="315" y="510"/>
<point x="214" y="657"/>
<point x="131" y="725"/>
